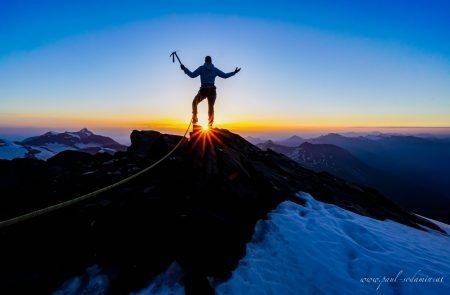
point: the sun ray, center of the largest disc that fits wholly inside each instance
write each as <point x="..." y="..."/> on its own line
<point x="206" y="139"/>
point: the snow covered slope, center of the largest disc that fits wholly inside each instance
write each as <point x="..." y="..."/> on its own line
<point x="324" y="249"/>
<point x="9" y="150"/>
<point x="49" y="144"/>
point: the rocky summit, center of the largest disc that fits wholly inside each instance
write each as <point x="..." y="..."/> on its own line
<point x="197" y="208"/>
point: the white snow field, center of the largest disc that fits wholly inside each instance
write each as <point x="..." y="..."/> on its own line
<point x="169" y="282"/>
<point x="324" y="249"/>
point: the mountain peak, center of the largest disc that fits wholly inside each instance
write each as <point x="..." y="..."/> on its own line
<point x="292" y="141"/>
<point x="295" y="137"/>
<point x="331" y="134"/>
<point x="86" y="132"/>
<point x="51" y="143"/>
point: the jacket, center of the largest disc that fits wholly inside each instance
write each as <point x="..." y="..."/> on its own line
<point x="208" y="73"/>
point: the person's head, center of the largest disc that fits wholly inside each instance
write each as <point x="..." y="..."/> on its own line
<point x="208" y="59"/>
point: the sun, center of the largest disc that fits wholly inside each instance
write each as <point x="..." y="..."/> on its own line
<point x="203" y="122"/>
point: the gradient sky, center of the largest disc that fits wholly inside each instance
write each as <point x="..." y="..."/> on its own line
<point x="306" y="65"/>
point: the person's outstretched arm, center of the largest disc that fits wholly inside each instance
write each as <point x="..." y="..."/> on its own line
<point x="227" y="75"/>
<point x="189" y="73"/>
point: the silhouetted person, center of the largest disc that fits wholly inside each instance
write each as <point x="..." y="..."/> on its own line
<point x="207" y="74"/>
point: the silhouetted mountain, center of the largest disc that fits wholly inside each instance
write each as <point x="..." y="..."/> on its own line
<point x="49" y="144"/>
<point x="198" y="208"/>
<point x="292" y="141"/>
<point x="269" y="144"/>
<point x="328" y="158"/>
<point x="255" y="140"/>
<point x="360" y="146"/>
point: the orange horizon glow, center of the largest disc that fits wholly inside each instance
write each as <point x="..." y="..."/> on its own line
<point x="272" y="123"/>
<point x="257" y="124"/>
<point x="176" y="125"/>
<point x="245" y="126"/>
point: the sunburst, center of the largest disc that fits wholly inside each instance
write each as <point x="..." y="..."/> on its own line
<point x="206" y="138"/>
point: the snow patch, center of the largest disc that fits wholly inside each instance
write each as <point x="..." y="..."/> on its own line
<point x="57" y="147"/>
<point x="94" y="282"/>
<point x="324" y="249"/>
<point x="442" y="225"/>
<point x="73" y="135"/>
<point x="9" y="150"/>
<point x="169" y="282"/>
<point x="88" y="145"/>
<point x="43" y="153"/>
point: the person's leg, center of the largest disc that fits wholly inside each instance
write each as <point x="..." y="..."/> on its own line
<point x="211" y="101"/>
<point x="195" y="102"/>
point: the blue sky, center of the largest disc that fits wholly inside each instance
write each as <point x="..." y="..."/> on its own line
<point x="315" y="64"/>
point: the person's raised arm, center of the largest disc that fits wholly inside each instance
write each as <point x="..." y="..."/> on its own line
<point x="227" y="75"/>
<point x="189" y="73"/>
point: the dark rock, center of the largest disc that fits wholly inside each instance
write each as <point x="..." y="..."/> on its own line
<point x="151" y="143"/>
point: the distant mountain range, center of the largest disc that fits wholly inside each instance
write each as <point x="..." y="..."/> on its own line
<point x="411" y="170"/>
<point x="292" y="141"/>
<point x="51" y="143"/>
<point x="326" y="158"/>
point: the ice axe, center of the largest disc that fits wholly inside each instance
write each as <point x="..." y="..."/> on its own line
<point x="173" y="55"/>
